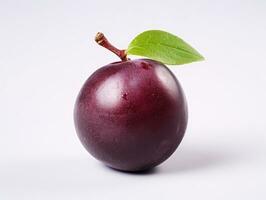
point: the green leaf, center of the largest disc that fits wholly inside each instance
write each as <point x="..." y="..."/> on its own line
<point x="164" y="47"/>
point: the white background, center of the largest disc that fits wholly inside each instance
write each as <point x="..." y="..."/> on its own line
<point x="47" y="51"/>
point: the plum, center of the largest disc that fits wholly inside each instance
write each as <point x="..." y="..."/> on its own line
<point x="132" y="114"/>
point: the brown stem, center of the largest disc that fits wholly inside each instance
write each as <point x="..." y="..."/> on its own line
<point x="102" y="40"/>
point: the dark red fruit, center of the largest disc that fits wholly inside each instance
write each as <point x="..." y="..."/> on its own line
<point x="131" y="115"/>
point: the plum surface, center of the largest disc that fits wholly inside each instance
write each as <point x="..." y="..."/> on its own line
<point x="131" y="115"/>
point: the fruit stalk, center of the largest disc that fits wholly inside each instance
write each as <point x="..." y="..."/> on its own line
<point x="102" y="40"/>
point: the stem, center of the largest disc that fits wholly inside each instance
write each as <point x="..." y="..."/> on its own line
<point x="102" y="40"/>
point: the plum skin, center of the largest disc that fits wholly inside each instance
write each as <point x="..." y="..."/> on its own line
<point x="131" y="115"/>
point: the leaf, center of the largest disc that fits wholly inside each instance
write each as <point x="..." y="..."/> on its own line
<point x="164" y="47"/>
